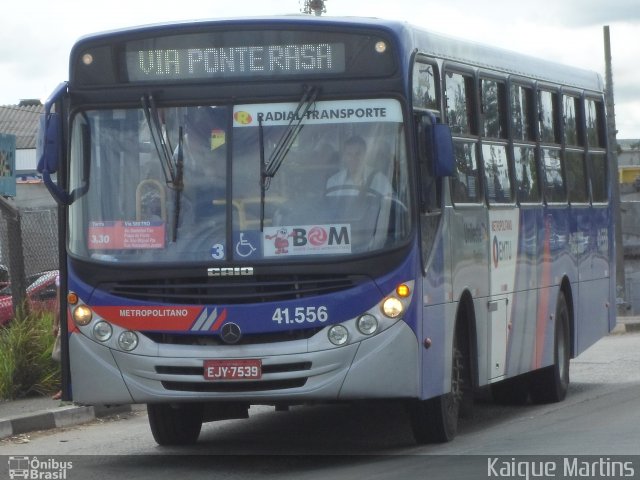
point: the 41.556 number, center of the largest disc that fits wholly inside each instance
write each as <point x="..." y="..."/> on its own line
<point x="300" y="315"/>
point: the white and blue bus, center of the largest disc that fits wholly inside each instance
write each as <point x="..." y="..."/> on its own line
<point x="279" y="211"/>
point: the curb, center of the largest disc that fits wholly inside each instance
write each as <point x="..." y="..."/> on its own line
<point x="632" y="327"/>
<point x="619" y="329"/>
<point x="65" y="416"/>
<point x="626" y="325"/>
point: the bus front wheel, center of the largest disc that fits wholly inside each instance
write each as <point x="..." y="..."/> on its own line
<point x="436" y="420"/>
<point x="175" y="424"/>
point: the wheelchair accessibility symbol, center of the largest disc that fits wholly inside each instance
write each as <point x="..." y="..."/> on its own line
<point x="244" y="247"/>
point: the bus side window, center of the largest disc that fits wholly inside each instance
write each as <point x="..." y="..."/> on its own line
<point x="425" y="86"/>
<point x="460" y="103"/>
<point x="599" y="177"/>
<point x="527" y="184"/>
<point x="522" y="113"/>
<point x="465" y="184"/>
<point x="493" y="108"/>
<point x="496" y="171"/>
<point x="596" y="129"/>
<point x="574" y="157"/>
<point x="548" y="111"/>
<point x="571" y="120"/>
<point x="576" y="176"/>
<point x="554" y="187"/>
<point x="596" y="142"/>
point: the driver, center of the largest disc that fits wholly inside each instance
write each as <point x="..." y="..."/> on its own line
<point x="357" y="173"/>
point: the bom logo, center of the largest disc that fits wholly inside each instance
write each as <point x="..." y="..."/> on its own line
<point x="319" y="236"/>
<point x="307" y="239"/>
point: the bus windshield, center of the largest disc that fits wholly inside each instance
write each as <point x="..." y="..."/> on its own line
<point x="253" y="182"/>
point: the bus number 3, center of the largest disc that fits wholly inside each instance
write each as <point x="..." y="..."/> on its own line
<point x="300" y="315"/>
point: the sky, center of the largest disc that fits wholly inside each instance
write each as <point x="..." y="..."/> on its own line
<point x="37" y="35"/>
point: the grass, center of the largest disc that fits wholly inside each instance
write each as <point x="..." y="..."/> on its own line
<point x="26" y="367"/>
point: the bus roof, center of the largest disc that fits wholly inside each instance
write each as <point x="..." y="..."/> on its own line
<point x="506" y="61"/>
<point x="411" y="37"/>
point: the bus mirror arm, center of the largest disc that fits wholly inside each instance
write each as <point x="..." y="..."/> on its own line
<point x="48" y="145"/>
<point x="86" y="164"/>
<point x="57" y="192"/>
<point x="59" y="195"/>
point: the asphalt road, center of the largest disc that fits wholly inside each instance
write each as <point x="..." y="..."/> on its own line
<point x="600" y="417"/>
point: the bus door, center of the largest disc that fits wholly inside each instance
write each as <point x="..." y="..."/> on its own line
<point x="503" y="236"/>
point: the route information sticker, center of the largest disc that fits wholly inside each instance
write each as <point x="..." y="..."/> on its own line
<point x="126" y="235"/>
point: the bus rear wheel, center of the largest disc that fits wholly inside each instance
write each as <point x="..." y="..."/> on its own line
<point x="550" y="384"/>
<point x="175" y="424"/>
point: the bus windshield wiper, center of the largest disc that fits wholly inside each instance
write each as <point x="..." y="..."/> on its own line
<point x="269" y="169"/>
<point x="289" y="135"/>
<point x="173" y="171"/>
<point x="177" y="183"/>
<point x="160" y="142"/>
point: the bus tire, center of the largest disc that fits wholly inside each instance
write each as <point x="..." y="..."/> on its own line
<point x="436" y="420"/>
<point x="175" y="424"/>
<point x="550" y="384"/>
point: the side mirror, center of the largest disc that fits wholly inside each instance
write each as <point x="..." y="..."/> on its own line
<point x="442" y="150"/>
<point x="435" y="157"/>
<point x="48" y="145"/>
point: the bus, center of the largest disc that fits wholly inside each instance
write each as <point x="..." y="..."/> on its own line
<point x="292" y="210"/>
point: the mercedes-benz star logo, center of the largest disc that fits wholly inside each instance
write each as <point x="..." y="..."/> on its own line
<point x="230" y="333"/>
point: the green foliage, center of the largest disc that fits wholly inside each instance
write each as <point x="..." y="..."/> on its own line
<point x="26" y="367"/>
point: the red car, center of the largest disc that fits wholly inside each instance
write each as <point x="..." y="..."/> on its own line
<point x="41" y="295"/>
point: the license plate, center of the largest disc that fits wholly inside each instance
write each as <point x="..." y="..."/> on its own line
<point x="240" y="369"/>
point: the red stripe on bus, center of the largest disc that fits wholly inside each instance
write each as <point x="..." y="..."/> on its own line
<point x="543" y="299"/>
<point x="218" y="323"/>
<point x="153" y="318"/>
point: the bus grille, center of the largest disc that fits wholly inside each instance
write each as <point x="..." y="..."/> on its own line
<point x="248" y="339"/>
<point x="235" y="386"/>
<point x="232" y="290"/>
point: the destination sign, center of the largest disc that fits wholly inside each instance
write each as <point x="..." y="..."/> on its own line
<point x="161" y="64"/>
<point x="222" y="52"/>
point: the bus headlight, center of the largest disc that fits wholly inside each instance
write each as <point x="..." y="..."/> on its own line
<point x="128" y="340"/>
<point x="82" y="315"/>
<point x="367" y="324"/>
<point x="392" y="307"/>
<point x="102" y="331"/>
<point x="338" y="335"/>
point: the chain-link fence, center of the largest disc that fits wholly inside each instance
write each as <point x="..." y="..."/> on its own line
<point x="28" y="245"/>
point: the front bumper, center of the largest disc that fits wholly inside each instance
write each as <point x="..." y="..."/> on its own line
<point x="382" y="366"/>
